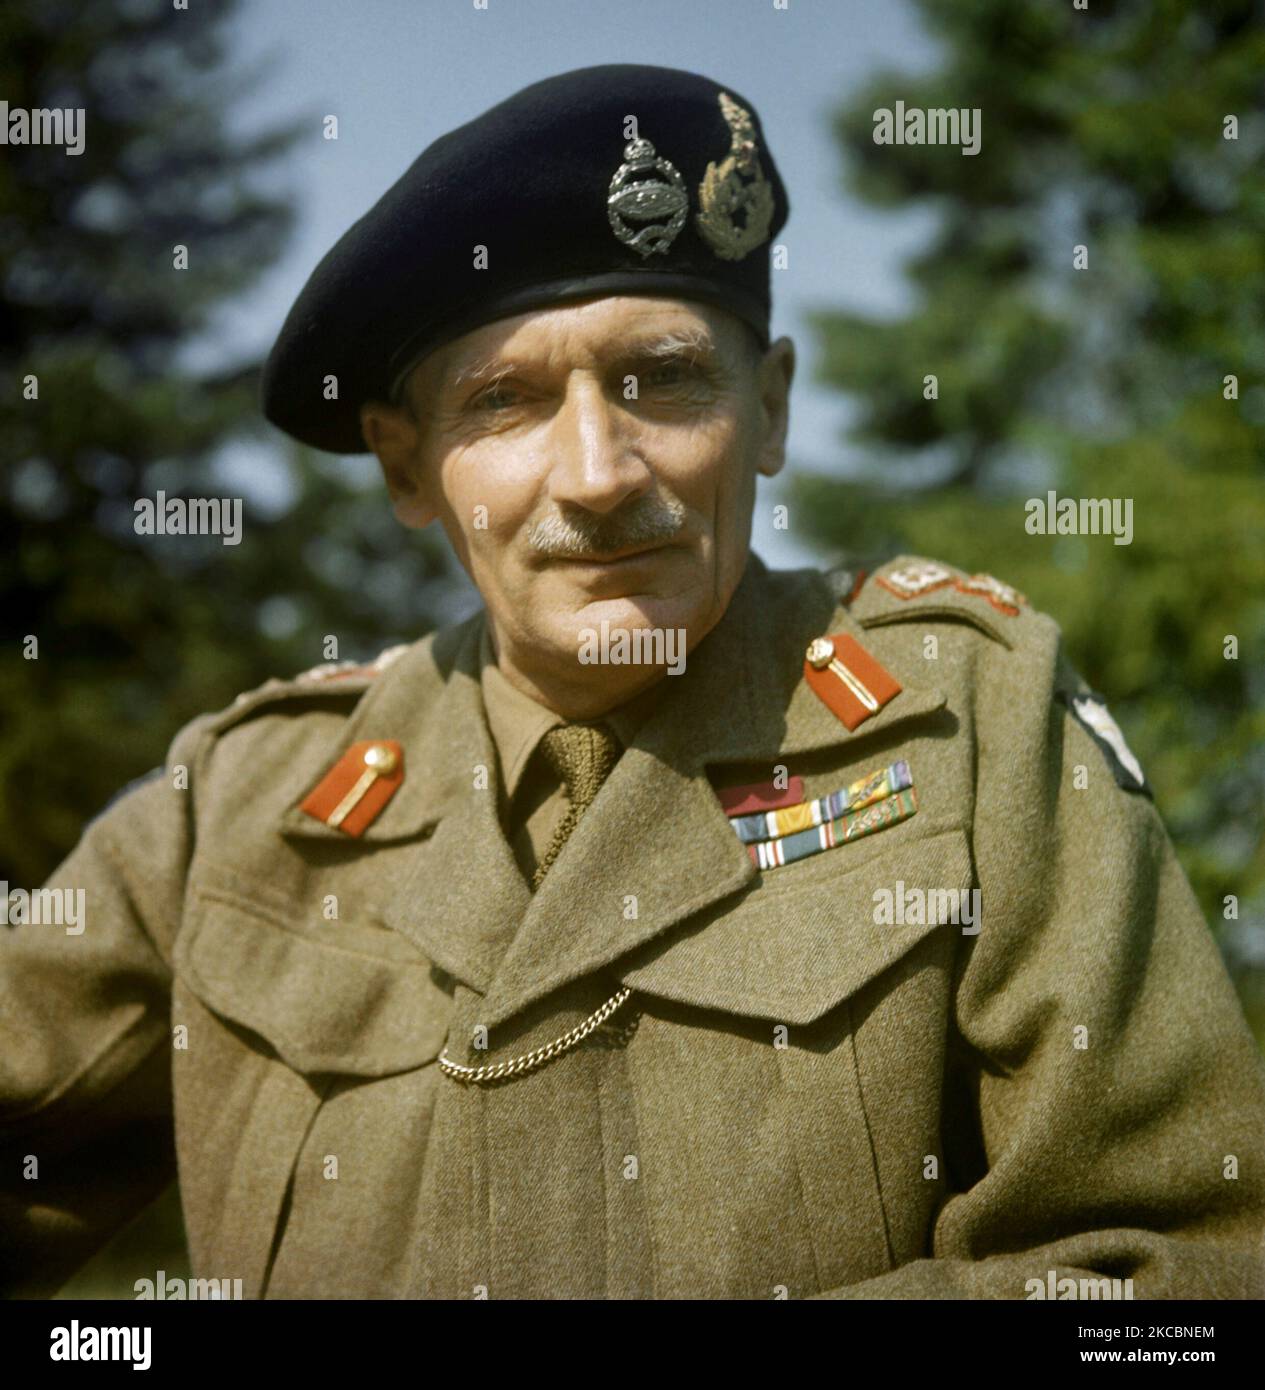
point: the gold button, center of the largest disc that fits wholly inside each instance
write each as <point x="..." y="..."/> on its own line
<point x="381" y="759"/>
<point x="821" y="652"/>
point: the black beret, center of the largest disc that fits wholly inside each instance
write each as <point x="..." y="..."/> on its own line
<point x="568" y="199"/>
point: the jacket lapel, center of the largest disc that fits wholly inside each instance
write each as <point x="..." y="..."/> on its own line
<point x="655" y="848"/>
<point x="410" y="702"/>
<point x="462" y="893"/>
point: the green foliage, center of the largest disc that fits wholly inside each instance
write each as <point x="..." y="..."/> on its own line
<point x="139" y="633"/>
<point x="1102" y="128"/>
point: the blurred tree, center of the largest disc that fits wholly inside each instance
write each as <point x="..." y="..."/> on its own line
<point x="1106" y="128"/>
<point x="138" y="633"/>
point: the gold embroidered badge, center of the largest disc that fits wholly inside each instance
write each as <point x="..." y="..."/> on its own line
<point x="736" y="198"/>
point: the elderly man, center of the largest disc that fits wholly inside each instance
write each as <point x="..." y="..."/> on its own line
<point x="673" y="927"/>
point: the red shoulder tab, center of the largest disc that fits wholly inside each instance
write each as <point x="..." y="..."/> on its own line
<point x="847" y="679"/>
<point x="353" y="793"/>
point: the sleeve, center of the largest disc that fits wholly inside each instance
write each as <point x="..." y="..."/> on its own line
<point x="86" y="1130"/>
<point x="1104" y="1111"/>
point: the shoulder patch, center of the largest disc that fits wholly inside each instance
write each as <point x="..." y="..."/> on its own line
<point x="1091" y="713"/>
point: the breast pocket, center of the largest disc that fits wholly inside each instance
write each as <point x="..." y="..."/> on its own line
<point x="335" y="997"/>
<point x="279" y="1015"/>
<point x="754" y="1108"/>
<point x="797" y="944"/>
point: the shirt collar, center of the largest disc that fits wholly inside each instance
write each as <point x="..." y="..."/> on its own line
<point x="517" y="723"/>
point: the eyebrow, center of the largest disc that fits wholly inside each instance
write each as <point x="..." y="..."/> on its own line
<point x="696" y="342"/>
<point x="482" y="369"/>
<point x="687" y="342"/>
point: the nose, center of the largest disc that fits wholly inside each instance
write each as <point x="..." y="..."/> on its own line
<point x="594" y="462"/>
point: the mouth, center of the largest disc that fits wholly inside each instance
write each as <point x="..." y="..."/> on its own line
<point x="612" y="559"/>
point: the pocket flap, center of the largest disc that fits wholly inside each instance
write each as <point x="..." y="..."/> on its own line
<point x="335" y="998"/>
<point x="790" y="951"/>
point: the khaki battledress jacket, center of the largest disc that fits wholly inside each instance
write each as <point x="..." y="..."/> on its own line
<point x="805" y="1094"/>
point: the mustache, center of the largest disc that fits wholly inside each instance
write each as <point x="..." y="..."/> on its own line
<point x="646" y="521"/>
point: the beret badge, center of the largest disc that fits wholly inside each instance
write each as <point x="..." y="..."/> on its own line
<point x="637" y="196"/>
<point x="735" y="188"/>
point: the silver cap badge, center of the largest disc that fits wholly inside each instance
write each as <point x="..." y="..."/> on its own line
<point x="636" y="196"/>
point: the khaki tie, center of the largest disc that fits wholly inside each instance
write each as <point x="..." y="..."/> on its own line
<point x="581" y="756"/>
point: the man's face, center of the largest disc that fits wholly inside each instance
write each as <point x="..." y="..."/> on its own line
<point x="594" y="461"/>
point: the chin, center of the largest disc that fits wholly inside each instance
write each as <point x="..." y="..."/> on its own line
<point x="633" y="613"/>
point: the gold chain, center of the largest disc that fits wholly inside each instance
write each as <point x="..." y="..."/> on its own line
<point x="538" y="1056"/>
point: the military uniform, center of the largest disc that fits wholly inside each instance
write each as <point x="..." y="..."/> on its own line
<point x="801" y="1095"/>
<point x="423" y="995"/>
<point x="534" y="799"/>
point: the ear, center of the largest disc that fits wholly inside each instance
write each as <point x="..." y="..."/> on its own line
<point x="774" y="376"/>
<point x="392" y="433"/>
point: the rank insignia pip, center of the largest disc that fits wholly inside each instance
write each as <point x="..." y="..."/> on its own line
<point x="344" y="670"/>
<point x="924" y="576"/>
<point x="847" y="679"/>
<point x="911" y="581"/>
<point x="353" y="793"/>
<point x="735" y="197"/>
<point x="1003" y="598"/>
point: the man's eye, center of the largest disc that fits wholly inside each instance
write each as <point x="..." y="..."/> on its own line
<point x="495" y="398"/>
<point x="669" y="374"/>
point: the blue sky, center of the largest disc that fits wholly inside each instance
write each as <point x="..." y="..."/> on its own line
<point x="398" y="73"/>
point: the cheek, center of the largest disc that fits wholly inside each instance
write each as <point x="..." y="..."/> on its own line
<point x="487" y="493"/>
<point x="711" y="469"/>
